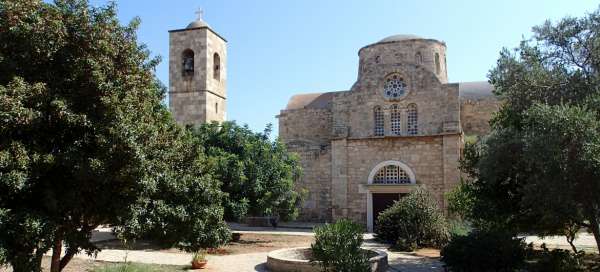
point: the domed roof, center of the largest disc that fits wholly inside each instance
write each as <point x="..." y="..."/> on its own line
<point x="401" y="37"/>
<point x="196" y="24"/>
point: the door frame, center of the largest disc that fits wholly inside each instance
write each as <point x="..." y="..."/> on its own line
<point x="386" y="188"/>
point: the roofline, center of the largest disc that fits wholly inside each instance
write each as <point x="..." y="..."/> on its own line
<point x="412" y="39"/>
<point x="194" y="28"/>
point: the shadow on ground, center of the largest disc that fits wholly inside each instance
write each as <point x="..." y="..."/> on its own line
<point x="261" y="267"/>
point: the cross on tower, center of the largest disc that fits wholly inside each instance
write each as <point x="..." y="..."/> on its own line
<point x="200" y="13"/>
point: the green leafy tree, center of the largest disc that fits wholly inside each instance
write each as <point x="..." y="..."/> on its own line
<point x="539" y="170"/>
<point x="257" y="174"/>
<point x="85" y="139"/>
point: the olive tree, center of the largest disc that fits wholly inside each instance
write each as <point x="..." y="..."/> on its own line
<point x="85" y="139"/>
<point x="539" y="169"/>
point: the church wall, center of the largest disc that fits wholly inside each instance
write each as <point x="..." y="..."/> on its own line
<point x="188" y="107"/>
<point x="424" y="155"/>
<point x="306" y="132"/>
<point x="475" y="114"/>
<point x="197" y="42"/>
<point x="437" y="104"/>
<point x="312" y="125"/>
<point x="372" y="57"/>
<point x="216" y="108"/>
<point x="216" y="45"/>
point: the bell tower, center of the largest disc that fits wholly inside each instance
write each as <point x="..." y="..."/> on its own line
<point x="197" y="74"/>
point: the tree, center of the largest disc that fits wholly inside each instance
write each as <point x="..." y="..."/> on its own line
<point x="85" y="139"/>
<point x="539" y="170"/>
<point x="257" y="174"/>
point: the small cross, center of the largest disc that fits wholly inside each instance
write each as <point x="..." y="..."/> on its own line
<point x="200" y="13"/>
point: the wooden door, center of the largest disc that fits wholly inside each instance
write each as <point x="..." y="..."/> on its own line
<point x="382" y="202"/>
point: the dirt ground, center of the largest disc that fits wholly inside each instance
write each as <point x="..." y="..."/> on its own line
<point x="248" y="243"/>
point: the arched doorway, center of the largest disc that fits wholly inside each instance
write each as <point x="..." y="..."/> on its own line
<point x="387" y="181"/>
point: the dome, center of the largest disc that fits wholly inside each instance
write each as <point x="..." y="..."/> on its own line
<point x="197" y="24"/>
<point x="402" y="37"/>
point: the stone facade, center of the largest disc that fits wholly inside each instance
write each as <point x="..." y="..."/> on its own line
<point x="197" y="92"/>
<point x="401" y="115"/>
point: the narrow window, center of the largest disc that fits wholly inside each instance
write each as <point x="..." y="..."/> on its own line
<point x="187" y="59"/>
<point x="395" y="120"/>
<point x="437" y="63"/>
<point x="412" y="120"/>
<point x="418" y="58"/>
<point x="217" y="66"/>
<point x="445" y="64"/>
<point x="378" y="121"/>
<point x="216" y="107"/>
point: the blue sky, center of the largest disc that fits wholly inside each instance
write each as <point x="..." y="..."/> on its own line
<point x="277" y="48"/>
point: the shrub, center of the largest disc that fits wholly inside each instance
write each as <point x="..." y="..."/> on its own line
<point x="412" y="222"/>
<point x="484" y="251"/>
<point x="556" y="260"/>
<point x="458" y="227"/>
<point x="337" y="247"/>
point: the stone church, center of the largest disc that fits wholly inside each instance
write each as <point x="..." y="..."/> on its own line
<point x="401" y="125"/>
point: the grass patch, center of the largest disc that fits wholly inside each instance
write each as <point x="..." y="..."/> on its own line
<point x="137" y="267"/>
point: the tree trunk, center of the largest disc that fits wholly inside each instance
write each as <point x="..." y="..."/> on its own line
<point x="66" y="259"/>
<point x="594" y="226"/>
<point x="596" y="231"/>
<point x="56" y="251"/>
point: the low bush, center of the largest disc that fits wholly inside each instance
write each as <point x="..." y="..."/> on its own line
<point x="412" y="222"/>
<point x="484" y="251"/>
<point x="458" y="227"/>
<point x="556" y="260"/>
<point x="337" y="247"/>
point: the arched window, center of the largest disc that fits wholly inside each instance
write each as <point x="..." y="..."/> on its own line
<point x="412" y="120"/>
<point x="217" y="66"/>
<point x="391" y="174"/>
<point x="187" y="60"/>
<point x="437" y="63"/>
<point x="378" y="121"/>
<point x="395" y="120"/>
<point x="418" y="58"/>
<point x="445" y="63"/>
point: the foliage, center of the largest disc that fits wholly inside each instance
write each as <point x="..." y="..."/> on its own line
<point x="337" y="247"/>
<point x="412" y="222"/>
<point x="460" y="200"/>
<point x="539" y="169"/>
<point x="484" y="251"/>
<point x="556" y="260"/>
<point x="199" y="256"/>
<point x="458" y="227"/>
<point x="136" y="267"/>
<point x="85" y="139"/>
<point x="257" y="174"/>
